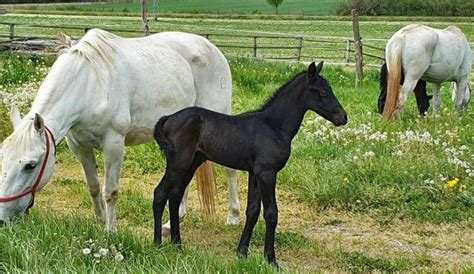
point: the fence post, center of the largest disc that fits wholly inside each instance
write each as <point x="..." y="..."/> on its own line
<point x="300" y="47"/>
<point x="358" y="48"/>
<point x="255" y="47"/>
<point x="146" y="32"/>
<point x="348" y="51"/>
<point x="12" y="31"/>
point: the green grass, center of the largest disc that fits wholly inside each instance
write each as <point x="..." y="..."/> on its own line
<point x="323" y="177"/>
<point x="289" y="7"/>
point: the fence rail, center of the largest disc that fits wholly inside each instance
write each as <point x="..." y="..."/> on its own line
<point x="335" y="50"/>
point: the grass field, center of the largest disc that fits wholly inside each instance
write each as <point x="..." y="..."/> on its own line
<point x="289" y="7"/>
<point x="369" y="196"/>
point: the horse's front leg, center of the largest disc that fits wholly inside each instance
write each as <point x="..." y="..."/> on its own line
<point x="234" y="202"/>
<point x="89" y="165"/>
<point x="436" y="98"/>
<point x="113" y="154"/>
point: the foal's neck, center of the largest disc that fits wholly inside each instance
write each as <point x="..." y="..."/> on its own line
<point x="286" y="110"/>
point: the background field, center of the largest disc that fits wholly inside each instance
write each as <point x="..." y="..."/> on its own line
<point x="289" y="7"/>
<point x="370" y="196"/>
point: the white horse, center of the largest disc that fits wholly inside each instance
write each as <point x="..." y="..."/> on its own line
<point x="106" y="92"/>
<point x="433" y="55"/>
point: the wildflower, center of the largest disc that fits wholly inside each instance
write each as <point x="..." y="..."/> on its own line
<point x="453" y="182"/>
<point x="369" y="154"/>
<point x="103" y="251"/>
<point x="86" y="251"/>
<point x="462" y="188"/>
<point x="345" y="180"/>
<point x="119" y="257"/>
<point x="97" y="255"/>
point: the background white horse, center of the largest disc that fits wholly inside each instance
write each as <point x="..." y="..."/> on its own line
<point x="106" y="92"/>
<point x="436" y="56"/>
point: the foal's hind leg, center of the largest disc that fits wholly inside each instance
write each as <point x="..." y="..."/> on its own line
<point x="176" y="195"/>
<point x="182" y="212"/>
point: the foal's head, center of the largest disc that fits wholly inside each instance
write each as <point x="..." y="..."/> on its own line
<point x="320" y="97"/>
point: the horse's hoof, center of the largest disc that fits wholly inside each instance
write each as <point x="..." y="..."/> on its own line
<point x="165" y="230"/>
<point x="232" y="220"/>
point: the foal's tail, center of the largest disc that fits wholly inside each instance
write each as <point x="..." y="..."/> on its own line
<point x="394" y="66"/>
<point x="206" y="184"/>
<point x="160" y="138"/>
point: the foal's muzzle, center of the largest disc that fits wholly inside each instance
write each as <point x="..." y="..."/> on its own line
<point x="339" y="117"/>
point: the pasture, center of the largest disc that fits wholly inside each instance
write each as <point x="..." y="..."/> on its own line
<point x="369" y="196"/>
<point x="289" y="7"/>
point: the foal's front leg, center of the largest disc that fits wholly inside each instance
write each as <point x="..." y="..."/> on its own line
<point x="113" y="154"/>
<point x="253" y="211"/>
<point x="267" y="184"/>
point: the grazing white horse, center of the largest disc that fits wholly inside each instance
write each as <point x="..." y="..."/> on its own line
<point x="106" y="92"/>
<point x="433" y="55"/>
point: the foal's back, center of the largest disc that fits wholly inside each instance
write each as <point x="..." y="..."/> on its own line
<point x="233" y="141"/>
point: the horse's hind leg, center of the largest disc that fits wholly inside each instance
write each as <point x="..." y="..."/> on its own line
<point x="89" y="166"/>
<point x="408" y="85"/>
<point x="234" y="202"/>
<point x="254" y="201"/>
<point x="462" y="96"/>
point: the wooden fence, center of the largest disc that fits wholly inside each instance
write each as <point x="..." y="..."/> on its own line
<point x="333" y="50"/>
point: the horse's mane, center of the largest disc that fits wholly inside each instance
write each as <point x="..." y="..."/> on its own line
<point x="95" y="46"/>
<point x="17" y="143"/>
<point x="276" y="93"/>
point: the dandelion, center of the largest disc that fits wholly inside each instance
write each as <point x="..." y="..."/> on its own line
<point x="118" y="257"/>
<point x="103" y="251"/>
<point x="86" y="251"/>
<point x="453" y="182"/>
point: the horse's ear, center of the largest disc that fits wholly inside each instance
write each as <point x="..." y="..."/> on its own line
<point x="64" y="39"/>
<point x="15" y="116"/>
<point x="319" y="67"/>
<point x="38" y="123"/>
<point x="312" y="70"/>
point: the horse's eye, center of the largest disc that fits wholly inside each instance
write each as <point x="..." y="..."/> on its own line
<point x="30" y="166"/>
<point x="323" y="93"/>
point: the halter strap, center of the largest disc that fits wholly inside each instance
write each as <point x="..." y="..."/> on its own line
<point x="49" y="139"/>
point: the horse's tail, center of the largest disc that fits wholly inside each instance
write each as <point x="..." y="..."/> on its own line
<point x="394" y="66"/>
<point x="158" y="134"/>
<point x="206" y="189"/>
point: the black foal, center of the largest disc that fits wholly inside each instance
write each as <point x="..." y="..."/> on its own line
<point x="258" y="142"/>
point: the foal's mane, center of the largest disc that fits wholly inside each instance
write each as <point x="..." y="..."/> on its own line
<point x="277" y="92"/>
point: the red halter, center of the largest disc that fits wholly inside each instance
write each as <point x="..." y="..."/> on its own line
<point x="33" y="189"/>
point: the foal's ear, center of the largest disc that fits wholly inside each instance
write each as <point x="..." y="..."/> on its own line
<point x="15" y="116"/>
<point x="313" y="69"/>
<point x="38" y="123"/>
<point x="319" y="67"/>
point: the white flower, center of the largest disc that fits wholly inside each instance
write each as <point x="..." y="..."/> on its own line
<point x="103" y="251"/>
<point x="119" y="257"/>
<point x="369" y="154"/>
<point x="86" y="251"/>
<point x="96" y="255"/>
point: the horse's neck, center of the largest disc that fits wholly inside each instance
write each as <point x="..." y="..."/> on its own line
<point x="60" y="105"/>
<point x="286" y="111"/>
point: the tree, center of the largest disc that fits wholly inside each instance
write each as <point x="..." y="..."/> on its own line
<point x="275" y="3"/>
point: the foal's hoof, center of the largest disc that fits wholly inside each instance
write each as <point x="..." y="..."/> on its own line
<point x="242" y="253"/>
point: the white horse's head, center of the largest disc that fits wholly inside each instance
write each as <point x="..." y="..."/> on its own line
<point x="28" y="158"/>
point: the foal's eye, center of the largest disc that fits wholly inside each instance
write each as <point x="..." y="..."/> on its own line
<point x="30" y="166"/>
<point x="323" y="93"/>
